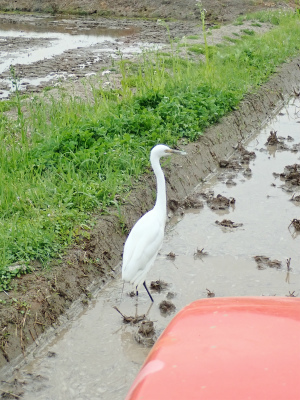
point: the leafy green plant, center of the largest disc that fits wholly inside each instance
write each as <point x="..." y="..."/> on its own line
<point x="7" y="275"/>
<point x="249" y="32"/>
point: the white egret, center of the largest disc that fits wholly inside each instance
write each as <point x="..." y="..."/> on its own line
<point x="146" y="236"/>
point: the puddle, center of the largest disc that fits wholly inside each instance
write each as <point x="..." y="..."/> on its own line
<point x="98" y="357"/>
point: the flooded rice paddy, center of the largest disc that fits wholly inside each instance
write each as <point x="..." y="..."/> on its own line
<point x="46" y="50"/>
<point x="96" y="355"/>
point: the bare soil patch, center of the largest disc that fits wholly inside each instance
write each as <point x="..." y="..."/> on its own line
<point x="38" y="300"/>
<point x="222" y="11"/>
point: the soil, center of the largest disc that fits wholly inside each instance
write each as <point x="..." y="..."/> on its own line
<point x="37" y="300"/>
<point x="227" y="223"/>
<point x="292" y="175"/>
<point x="220" y="202"/>
<point x="166" y="307"/>
<point x="264" y="262"/>
<point x="222" y="11"/>
<point x="296" y="224"/>
<point x="146" y="334"/>
<point x="159" y="285"/>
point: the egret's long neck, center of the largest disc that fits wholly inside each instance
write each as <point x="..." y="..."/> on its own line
<point x="161" y="201"/>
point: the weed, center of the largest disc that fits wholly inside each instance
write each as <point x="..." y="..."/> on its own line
<point x="230" y="39"/>
<point x="198" y="49"/>
<point x="249" y="32"/>
<point x="193" y="37"/>
<point x="6" y="276"/>
<point x="202" y="16"/>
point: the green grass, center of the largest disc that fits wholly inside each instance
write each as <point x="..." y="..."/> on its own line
<point x="193" y="37"/>
<point x="249" y="32"/>
<point x="230" y="39"/>
<point x="67" y="158"/>
<point x="196" y="48"/>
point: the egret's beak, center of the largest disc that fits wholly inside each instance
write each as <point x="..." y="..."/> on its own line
<point x="183" y="153"/>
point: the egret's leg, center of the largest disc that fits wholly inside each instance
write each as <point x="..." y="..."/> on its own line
<point x="145" y="286"/>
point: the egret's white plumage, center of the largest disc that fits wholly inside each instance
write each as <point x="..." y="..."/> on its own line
<point x="146" y="237"/>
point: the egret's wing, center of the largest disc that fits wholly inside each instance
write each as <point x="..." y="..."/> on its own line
<point x="142" y="246"/>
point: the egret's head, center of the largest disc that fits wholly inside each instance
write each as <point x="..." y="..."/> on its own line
<point x="162" y="150"/>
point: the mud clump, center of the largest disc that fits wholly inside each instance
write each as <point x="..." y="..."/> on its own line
<point x="230" y="182"/>
<point x="291" y="294"/>
<point x="166" y="307"/>
<point x="247" y="172"/>
<point x="210" y="293"/>
<point x="51" y="354"/>
<point x="146" y="334"/>
<point x="296" y="224"/>
<point x="263" y="262"/>
<point x="279" y="142"/>
<point x="146" y="328"/>
<point x="244" y="157"/>
<point x="173" y="205"/>
<point x="199" y="253"/>
<point x="246" y="154"/>
<point x="220" y="202"/>
<point x="171" y="255"/>
<point x="227" y="223"/>
<point x="291" y="175"/>
<point x="296" y="198"/>
<point x="191" y="201"/>
<point x="158" y="285"/>
<point x="170" y="295"/>
<point x="131" y="320"/>
<point x="233" y="164"/>
<point x="273" y="139"/>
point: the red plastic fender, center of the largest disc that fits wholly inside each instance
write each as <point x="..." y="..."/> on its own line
<point x="226" y="349"/>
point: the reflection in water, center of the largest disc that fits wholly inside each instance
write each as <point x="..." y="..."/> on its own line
<point x="97" y="357"/>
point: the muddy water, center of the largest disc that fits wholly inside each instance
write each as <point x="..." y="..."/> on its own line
<point x="97" y="357"/>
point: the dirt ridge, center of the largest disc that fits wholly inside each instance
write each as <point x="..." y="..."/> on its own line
<point x="185" y="10"/>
